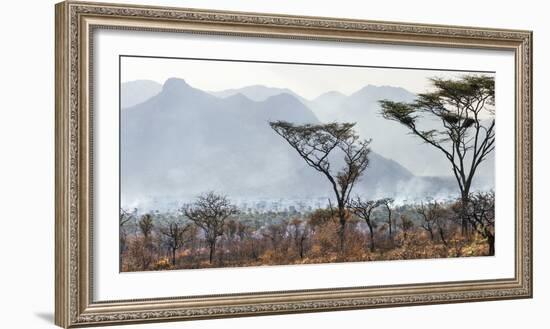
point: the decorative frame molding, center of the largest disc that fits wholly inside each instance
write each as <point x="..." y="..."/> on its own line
<point x="75" y="23"/>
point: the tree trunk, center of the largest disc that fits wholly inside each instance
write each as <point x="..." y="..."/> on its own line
<point x="371" y="234"/>
<point x="212" y="251"/>
<point x="174" y="256"/>
<point x="389" y="222"/>
<point x="464" y="214"/>
<point x="342" y="229"/>
<point x="442" y="236"/>
<point x="491" y="242"/>
<point x="431" y="234"/>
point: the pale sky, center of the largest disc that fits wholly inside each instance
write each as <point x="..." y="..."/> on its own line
<point x="308" y="81"/>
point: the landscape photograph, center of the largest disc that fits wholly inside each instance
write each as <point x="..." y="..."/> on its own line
<point x="228" y="163"/>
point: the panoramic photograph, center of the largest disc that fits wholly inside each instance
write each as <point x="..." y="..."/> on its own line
<point x="240" y="163"/>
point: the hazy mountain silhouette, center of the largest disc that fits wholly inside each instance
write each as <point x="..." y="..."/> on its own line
<point x="184" y="141"/>
<point x="257" y="93"/>
<point x="135" y="92"/>
<point x="390" y="139"/>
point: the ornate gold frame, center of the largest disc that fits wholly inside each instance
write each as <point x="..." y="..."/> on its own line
<point x="76" y="21"/>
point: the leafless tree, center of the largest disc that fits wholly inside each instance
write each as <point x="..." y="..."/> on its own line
<point x="363" y="209"/>
<point x="432" y="219"/>
<point x="388" y="203"/>
<point x="146" y="225"/>
<point x="251" y="242"/>
<point x="481" y="212"/>
<point x="275" y="234"/>
<point x="465" y="110"/>
<point x="316" y="142"/>
<point x="143" y="248"/>
<point x="406" y="225"/>
<point x="209" y="212"/>
<point x="300" y="235"/>
<point x="175" y="234"/>
<point x="125" y="216"/>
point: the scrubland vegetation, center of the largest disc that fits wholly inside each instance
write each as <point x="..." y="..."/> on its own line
<point x="161" y="241"/>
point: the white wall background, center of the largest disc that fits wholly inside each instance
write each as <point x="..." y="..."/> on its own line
<point x="27" y="162"/>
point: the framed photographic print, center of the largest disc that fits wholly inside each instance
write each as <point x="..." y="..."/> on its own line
<point x="219" y="164"/>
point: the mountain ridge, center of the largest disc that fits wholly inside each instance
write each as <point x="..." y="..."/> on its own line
<point x="184" y="141"/>
<point x="207" y="128"/>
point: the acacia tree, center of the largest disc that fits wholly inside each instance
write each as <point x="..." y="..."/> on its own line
<point x="481" y="211"/>
<point x="387" y="203"/>
<point x="316" y="142"/>
<point x="175" y="234"/>
<point x="464" y="108"/>
<point x="209" y="212"/>
<point x="363" y="209"/>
